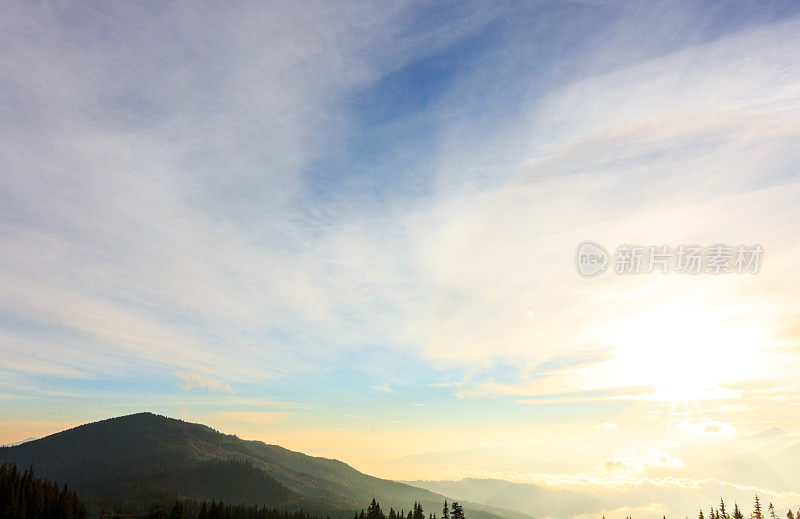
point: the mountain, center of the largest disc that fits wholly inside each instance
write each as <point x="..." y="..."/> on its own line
<point x="19" y="442"/>
<point x="729" y="469"/>
<point x="143" y="457"/>
<point x="767" y="460"/>
<point x="524" y="497"/>
<point x="770" y="435"/>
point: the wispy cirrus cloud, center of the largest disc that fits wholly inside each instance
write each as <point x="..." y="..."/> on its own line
<point x="256" y="417"/>
<point x="385" y="389"/>
<point x="138" y="195"/>
<point x="195" y="381"/>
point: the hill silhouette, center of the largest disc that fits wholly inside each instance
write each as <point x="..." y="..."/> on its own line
<point x="139" y="458"/>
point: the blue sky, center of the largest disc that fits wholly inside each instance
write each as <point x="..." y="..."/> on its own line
<point x="310" y="223"/>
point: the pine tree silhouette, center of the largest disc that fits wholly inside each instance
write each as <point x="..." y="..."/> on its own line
<point x="757" y="509"/>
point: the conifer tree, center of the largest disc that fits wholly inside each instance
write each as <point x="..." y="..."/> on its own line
<point x="737" y="514"/>
<point x="177" y="511"/>
<point x="24" y="496"/>
<point x="446" y="511"/>
<point x="757" y="509"/>
<point x="374" y="510"/>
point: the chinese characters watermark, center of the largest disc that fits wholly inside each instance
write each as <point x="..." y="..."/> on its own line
<point x="592" y="259"/>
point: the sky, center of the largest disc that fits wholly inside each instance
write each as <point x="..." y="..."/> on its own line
<point x="350" y="229"/>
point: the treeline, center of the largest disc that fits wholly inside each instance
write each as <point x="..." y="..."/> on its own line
<point x="228" y="481"/>
<point x="723" y="512"/>
<point x="22" y="496"/>
<point x="757" y="513"/>
<point x="190" y="509"/>
<point x="374" y="511"/>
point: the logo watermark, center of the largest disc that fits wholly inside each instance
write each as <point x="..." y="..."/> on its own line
<point x="592" y="259"/>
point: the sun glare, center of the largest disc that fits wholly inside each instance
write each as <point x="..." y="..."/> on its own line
<point x="687" y="353"/>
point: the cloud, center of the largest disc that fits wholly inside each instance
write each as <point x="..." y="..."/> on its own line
<point x="255" y="417"/>
<point x="385" y="389"/>
<point x="192" y="205"/>
<point x="640" y="130"/>
<point x="708" y="428"/>
<point x="174" y="168"/>
<point x="638" y="464"/>
<point x="193" y="380"/>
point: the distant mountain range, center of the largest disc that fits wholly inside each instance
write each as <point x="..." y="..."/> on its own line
<point x="531" y="499"/>
<point x="19" y="442"/>
<point x="764" y="463"/>
<point x="140" y="458"/>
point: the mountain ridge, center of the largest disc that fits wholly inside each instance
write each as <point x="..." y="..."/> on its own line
<point x="144" y="456"/>
<point x="535" y="499"/>
<point x="14" y="444"/>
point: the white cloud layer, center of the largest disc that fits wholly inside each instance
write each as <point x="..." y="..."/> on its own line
<point x="195" y="381"/>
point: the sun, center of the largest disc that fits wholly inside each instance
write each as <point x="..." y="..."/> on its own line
<point x="686" y="352"/>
